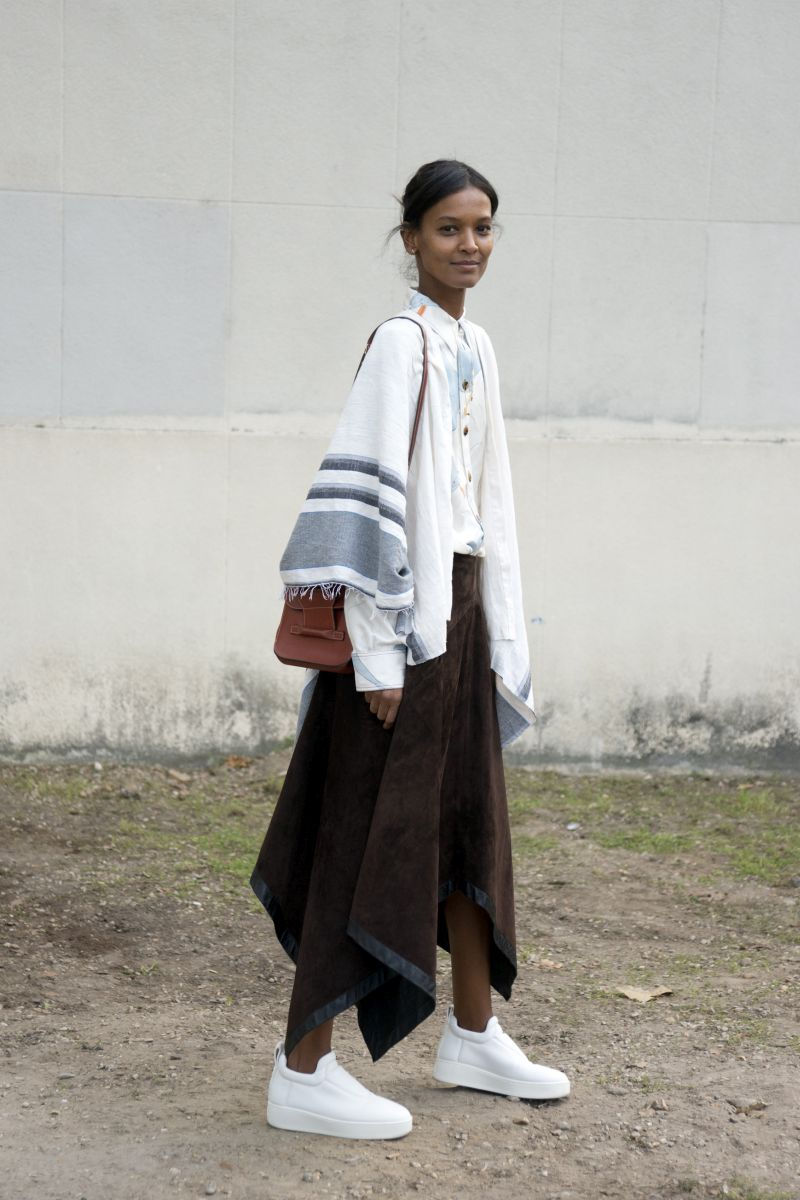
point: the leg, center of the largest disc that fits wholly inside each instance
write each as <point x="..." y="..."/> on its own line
<point x="474" y="1051"/>
<point x="309" y="1096"/>
<point x="469" y="930"/>
<point x="310" y="1049"/>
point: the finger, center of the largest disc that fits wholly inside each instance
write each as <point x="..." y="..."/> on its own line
<point x="391" y="716"/>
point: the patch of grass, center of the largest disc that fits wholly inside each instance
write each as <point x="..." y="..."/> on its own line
<point x="750" y="828"/>
<point x="66" y="789"/>
<point x="533" y="843"/>
<point x="554" y="793"/>
<point x="229" y="855"/>
<point x="645" y="841"/>
<point x="730" y="1022"/>
<point x="742" y="1189"/>
<point x="649" y="1085"/>
<point x="755" y="1031"/>
<point x="748" y="801"/>
<point x="142" y="969"/>
<point x="678" y="966"/>
<point x="772" y="856"/>
<point x="610" y="1079"/>
<point x="198" y="847"/>
<point x="596" y="992"/>
<point x="132" y="835"/>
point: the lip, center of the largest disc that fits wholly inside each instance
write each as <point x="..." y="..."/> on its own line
<point x="466" y="266"/>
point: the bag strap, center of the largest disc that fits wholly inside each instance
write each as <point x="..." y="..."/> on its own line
<point x="423" y="382"/>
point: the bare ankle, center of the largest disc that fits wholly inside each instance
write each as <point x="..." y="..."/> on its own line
<point x="305" y="1056"/>
<point x="473" y="1020"/>
<point x="303" y="1060"/>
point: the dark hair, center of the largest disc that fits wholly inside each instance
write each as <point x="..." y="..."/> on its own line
<point x="435" y="180"/>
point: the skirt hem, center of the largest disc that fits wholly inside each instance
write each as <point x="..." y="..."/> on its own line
<point x="502" y="943"/>
<point x="392" y="968"/>
<point x="336" y="1007"/>
<point x="273" y="907"/>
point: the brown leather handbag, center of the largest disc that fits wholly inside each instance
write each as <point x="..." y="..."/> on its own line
<point x="312" y="630"/>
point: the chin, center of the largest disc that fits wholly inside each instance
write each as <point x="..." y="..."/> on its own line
<point x="468" y="281"/>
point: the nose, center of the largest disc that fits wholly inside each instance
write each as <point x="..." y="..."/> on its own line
<point x="468" y="241"/>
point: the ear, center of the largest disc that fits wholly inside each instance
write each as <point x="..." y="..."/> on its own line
<point x="409" y="241"/>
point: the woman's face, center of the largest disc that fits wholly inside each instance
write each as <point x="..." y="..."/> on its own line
<point x="453" y="243"/>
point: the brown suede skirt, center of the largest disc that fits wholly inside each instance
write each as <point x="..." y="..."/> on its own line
<point x="375" y="828"/>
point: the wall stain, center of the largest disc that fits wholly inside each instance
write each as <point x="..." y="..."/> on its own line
<point x="705" y="682"/>
<point x="757" y="731"/>
<point x="169" y="716"/>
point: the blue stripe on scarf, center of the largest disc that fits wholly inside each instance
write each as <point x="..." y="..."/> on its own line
<point x="417" y="648"/>
<point x="340" y="491"/>
<point x="364" y="466"/>
<point x="511" y="723"/>
<point x="323" y="541"/>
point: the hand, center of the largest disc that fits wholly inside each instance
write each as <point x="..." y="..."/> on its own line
<point x="385" y="704"/>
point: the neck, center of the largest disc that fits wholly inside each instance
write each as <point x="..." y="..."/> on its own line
<point x="450" y="299"/>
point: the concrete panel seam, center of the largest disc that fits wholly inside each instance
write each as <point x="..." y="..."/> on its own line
<point x="707" y="241"/>
<point x="553" y="231"/>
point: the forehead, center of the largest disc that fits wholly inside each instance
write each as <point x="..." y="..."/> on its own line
<point x="468" y="204"/>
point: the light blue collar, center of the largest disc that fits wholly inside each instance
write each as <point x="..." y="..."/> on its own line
<point x="439" y="320"/>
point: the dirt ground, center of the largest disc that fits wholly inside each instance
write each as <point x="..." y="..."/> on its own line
<point x="143" y="991"/>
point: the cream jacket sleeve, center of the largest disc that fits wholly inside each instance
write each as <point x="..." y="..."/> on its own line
<point x="379" y="656"/>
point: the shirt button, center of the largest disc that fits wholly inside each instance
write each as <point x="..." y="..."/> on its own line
<point x="469" y="476"/>
<point x="466" y="429"/>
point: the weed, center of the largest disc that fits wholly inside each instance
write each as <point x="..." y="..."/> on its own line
<point x="648" y="1085"/>
<point x="533" y="844"/>
<point x="645" y="841"/>
<point x="741" y="1189"/>
<point x="596" y="992"/>
<point x="679" y="965"/>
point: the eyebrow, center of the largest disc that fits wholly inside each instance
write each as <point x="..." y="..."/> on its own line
<point x="444" y="217"/>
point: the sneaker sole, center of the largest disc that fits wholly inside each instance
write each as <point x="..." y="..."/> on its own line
<point x="301" y="1121"/>
<point x="464" y="1075"/>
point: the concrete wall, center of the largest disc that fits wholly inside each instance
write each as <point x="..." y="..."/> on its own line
<point x="193" y="200"/>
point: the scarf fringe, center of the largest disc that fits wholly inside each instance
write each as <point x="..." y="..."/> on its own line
<point x="329" y="591"/>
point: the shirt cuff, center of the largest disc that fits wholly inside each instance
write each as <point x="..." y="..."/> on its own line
<point x="374" y="672"/>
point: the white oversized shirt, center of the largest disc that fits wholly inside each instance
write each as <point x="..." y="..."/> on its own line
<point x="379" y="652"/>
<point x="373" y="524"/>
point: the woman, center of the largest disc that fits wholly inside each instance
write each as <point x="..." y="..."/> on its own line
<point x="391" y="832"/>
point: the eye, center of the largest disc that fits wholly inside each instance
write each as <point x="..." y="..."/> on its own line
<point x="447" y="229"/>
<point x="484" y="229"/>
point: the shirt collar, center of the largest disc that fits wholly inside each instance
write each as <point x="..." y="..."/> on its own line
<point x="436" y="317"/>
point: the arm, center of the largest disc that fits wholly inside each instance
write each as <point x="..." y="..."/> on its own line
<point x="379" y="656"/>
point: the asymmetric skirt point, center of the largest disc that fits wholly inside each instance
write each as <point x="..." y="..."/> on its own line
<point x="375" y="828"/>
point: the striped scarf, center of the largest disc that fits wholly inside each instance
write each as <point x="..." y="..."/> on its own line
<point x="371" y="523"/>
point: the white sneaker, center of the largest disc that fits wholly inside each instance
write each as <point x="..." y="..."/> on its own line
<point x="330" y="1101"/>
<point x="492" y="1062"/>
